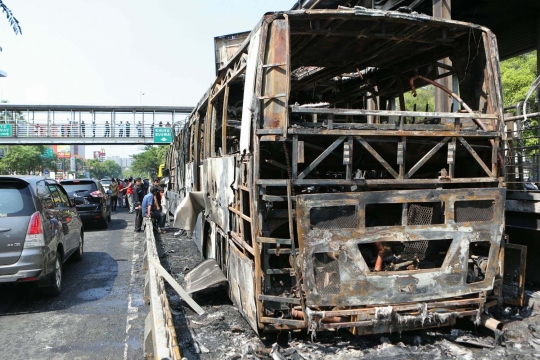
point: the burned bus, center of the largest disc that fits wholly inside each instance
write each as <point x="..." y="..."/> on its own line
<point x="332" y="197"/>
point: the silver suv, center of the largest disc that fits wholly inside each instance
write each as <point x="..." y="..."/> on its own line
<point x="39" y="230"/>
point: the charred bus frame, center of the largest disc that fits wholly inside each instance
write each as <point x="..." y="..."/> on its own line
<point x="330" y="200"/>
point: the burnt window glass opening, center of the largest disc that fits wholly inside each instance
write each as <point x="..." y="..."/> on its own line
<point x="334" y="217"/>
<point x="478" y="261"/>
<point x="406" y="255"/>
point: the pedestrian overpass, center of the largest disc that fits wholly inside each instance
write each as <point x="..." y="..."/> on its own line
<point x="89" y="125"/>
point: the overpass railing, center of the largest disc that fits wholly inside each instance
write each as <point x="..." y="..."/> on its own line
<point x="57" y="121"/>
<point x="522" y="150"/>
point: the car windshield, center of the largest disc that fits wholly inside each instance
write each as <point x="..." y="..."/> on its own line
<point x="106" y="182"/>
<point x="78" y="186"/>
<point x="15" y="199"/>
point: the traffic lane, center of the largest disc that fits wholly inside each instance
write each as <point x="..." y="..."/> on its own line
<point x="100" y="313"/>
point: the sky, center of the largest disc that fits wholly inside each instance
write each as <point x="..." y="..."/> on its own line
<point x="106" y="52"/>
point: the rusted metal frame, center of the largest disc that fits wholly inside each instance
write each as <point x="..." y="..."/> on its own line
<point x="451" y="159"/>
<point x="410" y="31"/>
<point x="292" y="234"/>
<point x="373" y="183"/>
<point x="279" y="299"/>
<point x="355" y="34"/>
<point x="521" y="117"/>
<point x="393" y="133"/>
<point x="494" y="158"/>
<point x="369" y="323"/>
<point x="426" y="157"/>
<point x="376" y="155"/>
<point x="521" y="281"/>
<point x="362" y="32"/>
<point x="255" y="174"/>
<point x="306" y="110"/>
<point x="297" y="323"/>
<point x="224" y="117"/>
<point x="235" y="76"/>
<point x="475" y="156"/>
<point x="303" y="43"/>
<point x="321" y="157"/>
<point x="213" y="128"/>
<point x="369" y="126"/>
<point x="241" y="243"/>
<point x="239" y="213"/>
<point x="492" y="65"/>
<point x="294" y="170"/>
<point x="348" y="157"/>
<point x="267" y="240"/>
<point x="371" y="310"/>
<point x="197" y="152"/>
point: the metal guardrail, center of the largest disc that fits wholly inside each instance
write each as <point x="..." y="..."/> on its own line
<point x="522" y="151"/>
<point x="159" y="334"/>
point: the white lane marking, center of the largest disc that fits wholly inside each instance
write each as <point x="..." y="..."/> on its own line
<point x="131" y="310"/>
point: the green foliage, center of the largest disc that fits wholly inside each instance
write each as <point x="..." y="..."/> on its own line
<point x="25" y="159"/>
<point x="148" y="161"/>
<point x="518" y="74"/>
<point x="100" y="170"/>
<point x="424" y="96"/>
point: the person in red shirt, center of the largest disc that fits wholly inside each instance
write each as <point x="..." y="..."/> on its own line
<point x="120" y="193"/>
<point x="129" y="193"/>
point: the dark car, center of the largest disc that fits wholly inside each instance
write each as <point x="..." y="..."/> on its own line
<point x="39" y="230"/>
<point x="91" y="199"/>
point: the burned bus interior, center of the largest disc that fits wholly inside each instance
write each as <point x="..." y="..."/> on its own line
<point x="370" y="175"/>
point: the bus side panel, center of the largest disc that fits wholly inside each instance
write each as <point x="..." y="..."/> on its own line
<point x="241" y="284"/>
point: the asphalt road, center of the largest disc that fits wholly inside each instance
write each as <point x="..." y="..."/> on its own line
<point x="100" y="313"/>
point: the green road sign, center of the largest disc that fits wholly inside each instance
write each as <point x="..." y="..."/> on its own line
<point x="47" y="154"/>
<point x="163" y="135"/>
<point x="6" y="130"/>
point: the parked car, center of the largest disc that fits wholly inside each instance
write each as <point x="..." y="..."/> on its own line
<point x="106" y="182"/>
<point x="91" y="199"/>
<point x="39" y="230"/>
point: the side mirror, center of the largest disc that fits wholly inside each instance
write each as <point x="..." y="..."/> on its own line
<point x="78" y="201"/>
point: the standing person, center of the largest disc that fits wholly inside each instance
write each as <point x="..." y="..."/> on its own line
<point x="139" y="129"/>
<point x="94" y="128"/>
<point x="168" y="124"/>
<point x="114" y="196"/>
<point x="63" y="129"/>
<point x="128" y="129"/>
<point x="149" y="212"/>
<point x="152" y="130"/>
<point x="107" y="129"/>
<point x="83" y="126"/>
<point x="138" y="194"/>
<point x="146" y="184"/>
<point x="121" y="129"/>
<point x="155" y="183"/>
<point x="160" y="124"/>
<point x="120" y="193"/>
<point x="129" y="193"/>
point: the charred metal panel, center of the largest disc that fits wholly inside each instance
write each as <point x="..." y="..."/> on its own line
<point x="515" y="259"/>
<point x="275" y="69"/>
<point x="190" y="181"/>
<point x="241" y="284"/>
<point x="359" y="283"/>
<point x="218" y="178"/>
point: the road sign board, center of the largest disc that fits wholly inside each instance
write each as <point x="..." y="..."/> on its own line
<point x="46" y="172"/>
<point x="163" y="135"/>
<point x="47" y="154"/>
<point x="6" y="130"/>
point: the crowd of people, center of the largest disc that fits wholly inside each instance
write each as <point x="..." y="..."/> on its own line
<point x="140" y="197"/>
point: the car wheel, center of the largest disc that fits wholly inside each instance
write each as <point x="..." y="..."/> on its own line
<point x="78" y="254"/>
<point x="104" y="223"/>
<point x="56" y="279"/>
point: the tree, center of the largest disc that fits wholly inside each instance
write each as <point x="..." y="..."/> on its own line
<point x="25" y="159"/>
<point x="12" y="20"/>
<point x="148" y="161"/>
<point x="518" y="74"/>
<point x="99" y="170"/>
